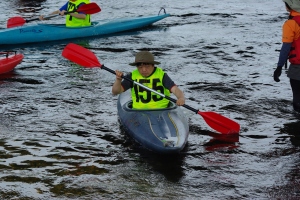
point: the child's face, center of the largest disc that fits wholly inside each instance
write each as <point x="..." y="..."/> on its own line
<point x="145" y="69"/>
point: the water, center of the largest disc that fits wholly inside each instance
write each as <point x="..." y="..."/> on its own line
<point x="59" y="129"/>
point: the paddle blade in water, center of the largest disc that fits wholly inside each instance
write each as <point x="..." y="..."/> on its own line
<point x="80" y="55"/>
<point x="220" y="123"/>
<point x="15" y="21"/>
<point x="90" y="8"/>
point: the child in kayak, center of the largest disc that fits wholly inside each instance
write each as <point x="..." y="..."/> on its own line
<point x="152" y="77"/>
<point x="291" y="50"/>
<point x="73" y="19"/>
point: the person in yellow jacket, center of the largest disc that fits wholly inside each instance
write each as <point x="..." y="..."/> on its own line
<point x="152" y="77"/>
<point x="290" y="50"/>
<point x="73" y="19"/>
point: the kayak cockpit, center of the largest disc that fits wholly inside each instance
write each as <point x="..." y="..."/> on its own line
<point x="128" y="107"/>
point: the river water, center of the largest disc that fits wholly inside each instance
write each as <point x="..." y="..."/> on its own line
<point x="60" y="137"/>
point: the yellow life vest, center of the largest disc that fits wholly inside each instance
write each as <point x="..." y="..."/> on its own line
<point x="73" y="21"/>
<point x="145" y="99"/>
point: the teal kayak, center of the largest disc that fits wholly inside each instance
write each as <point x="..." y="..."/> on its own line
<point x="32" y="33"/>
<point x="163" y="131"/>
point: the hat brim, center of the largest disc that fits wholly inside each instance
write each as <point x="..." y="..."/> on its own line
<point x="135" y="63"/>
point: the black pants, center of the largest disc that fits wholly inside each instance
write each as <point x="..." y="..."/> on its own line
<point x="295" y="84"/>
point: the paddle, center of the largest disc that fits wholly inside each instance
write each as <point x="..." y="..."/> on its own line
<point x="86" y="58"/>
<point x="90" y="8"/>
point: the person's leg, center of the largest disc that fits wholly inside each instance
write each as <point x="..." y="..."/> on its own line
<point x="295" y="84"/>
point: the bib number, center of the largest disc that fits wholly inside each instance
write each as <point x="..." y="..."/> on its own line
<point x="147" y="95"/>
<point x="71" y="7"/>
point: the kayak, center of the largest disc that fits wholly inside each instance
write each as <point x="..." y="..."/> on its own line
<point x="32" y="33"/>
<point x="9" y="62"/>
<point x="163" y="131"/>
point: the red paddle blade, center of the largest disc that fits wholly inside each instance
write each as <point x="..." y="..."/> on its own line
<point x="90" y="8"/>
<point x="15" y="21"/>
<point x="80" y="55"/>
<point x="220" y="123"/>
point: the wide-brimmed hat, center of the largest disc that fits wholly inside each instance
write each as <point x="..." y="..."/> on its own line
<point x="144" y="57"/>
<point x="293" y="4"/>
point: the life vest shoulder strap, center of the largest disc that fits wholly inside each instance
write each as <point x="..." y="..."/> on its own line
<point x="297" y="19"/>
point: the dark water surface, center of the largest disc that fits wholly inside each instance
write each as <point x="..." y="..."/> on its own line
<point x="59" y="132"/>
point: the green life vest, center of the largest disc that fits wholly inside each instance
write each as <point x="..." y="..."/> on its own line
<point x="73" y="21"/>
<point x="145" y="99"/>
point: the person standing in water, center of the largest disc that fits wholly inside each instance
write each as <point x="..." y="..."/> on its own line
<point x="291" y="50"/>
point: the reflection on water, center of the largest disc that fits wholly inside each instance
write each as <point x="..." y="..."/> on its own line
<point x="29" y="3"/>
<point x="288" y="187"/>
<point x="293" y="130"/>
<point x="26" y="8"/>
<point x="171" y="167"/>
<point x="7" y="76"/>
<point x="222" y="141"/>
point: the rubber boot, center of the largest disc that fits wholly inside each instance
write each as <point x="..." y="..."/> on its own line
<point x="296" y="107"/>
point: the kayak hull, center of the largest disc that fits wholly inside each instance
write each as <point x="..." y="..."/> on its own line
<point x="32" y="33"/>
<point x="8" y="63"/>
<point x="163" y="131"/>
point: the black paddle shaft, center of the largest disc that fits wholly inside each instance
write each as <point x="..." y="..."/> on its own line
<point x="91" y="7"/>
<point x="49" y="17"/>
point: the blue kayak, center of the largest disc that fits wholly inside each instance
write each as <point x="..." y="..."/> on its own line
<point x="31" y="33"/>
<point x="163" y="131"/>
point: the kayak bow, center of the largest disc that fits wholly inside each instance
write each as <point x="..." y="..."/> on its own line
<point x="9" y="62"/>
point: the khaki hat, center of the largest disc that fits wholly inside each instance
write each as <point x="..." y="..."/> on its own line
<point x="144" y="57"/>
<point x="294" y="4"/>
